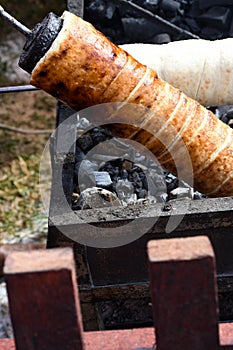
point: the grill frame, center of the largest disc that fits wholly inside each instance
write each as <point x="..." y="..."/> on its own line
<point x="110" y="274"/>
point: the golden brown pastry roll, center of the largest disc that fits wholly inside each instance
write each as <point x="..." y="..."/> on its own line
<point x="83" y="68"/>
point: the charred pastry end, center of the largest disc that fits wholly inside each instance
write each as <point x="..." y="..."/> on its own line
<point x="39" y="41"/>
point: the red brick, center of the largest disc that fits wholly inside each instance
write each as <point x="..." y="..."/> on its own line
<point x="43" y="299"/>
<point x="184" y="297"/>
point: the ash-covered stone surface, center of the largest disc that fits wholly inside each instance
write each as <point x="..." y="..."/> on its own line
<point x="208" y="19"/>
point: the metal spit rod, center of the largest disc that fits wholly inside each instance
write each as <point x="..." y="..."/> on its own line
<point x="17" y="88"/>
<point x="14" y="22"/>
<point x="24" y="30"/>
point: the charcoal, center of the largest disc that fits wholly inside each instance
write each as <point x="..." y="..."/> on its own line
<point x="98" y="135"/>
<point x="152" y="2"/>
<point x="142" y="193"/>
<point x="193" y="25"/>
<point x="110" y="10"/>
<point x="230" y="34"/>
<point x="216" y="17"/>
<point x="127" y="165"/>
<point x="95" y="9"/>
<point x="150" y="5"/>
<point x="139" y="29"/>
<point x="176" y="20"/>
<point x="171" y="181"/>
<point x="225" y="109"/>
<point x="227" y="116"/>
<point x="170" y="6"/>
<point x="194" y="10"/>
<point x="124" y="174"/>
<point x="211" y="33"/>
<point x="184" y="26"/>
<point x="85" y="142"/>
<point x="230" y="123"/>
<point x="124" y="13"/>
<point x="162" y="38"/>
<point x="185" y="3"/>
<point x="204" y="4"/>
<point x="225" y="119"/>
<point x="79" y="157"/>
<point x="102" y="179"/>
<point x="136" y="180"/>
<point x="144" y="180"/>
<point x="113" y="150"/>
<point x="181" y="12"/>
<point x="113" y="171"/>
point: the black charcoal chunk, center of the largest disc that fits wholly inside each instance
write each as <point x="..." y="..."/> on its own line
<point x="162" y="38"/>
<point x="85" y="142"/>
<point x="193" y="25"/>
<point x="139" y="29"/>
<point x="170" y="6"/>
<point x="211" y="33"/>
<point x="204" y="4"/>
<point x="194" y="10"/>
<point x="230" y="33"/>
<point x="216" y="17"/>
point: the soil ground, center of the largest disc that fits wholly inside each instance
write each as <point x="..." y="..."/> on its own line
<point x="20" y="202"/>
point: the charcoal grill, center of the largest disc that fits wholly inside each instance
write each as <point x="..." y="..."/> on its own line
<point x="121" y="273"/>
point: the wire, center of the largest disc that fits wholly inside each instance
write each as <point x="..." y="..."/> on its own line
<point x="24" y="131"/>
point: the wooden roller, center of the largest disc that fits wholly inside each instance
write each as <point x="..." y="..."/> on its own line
<point x="83" y="68"/>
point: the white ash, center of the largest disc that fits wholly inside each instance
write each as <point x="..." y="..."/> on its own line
<point x="5" y="320"/>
